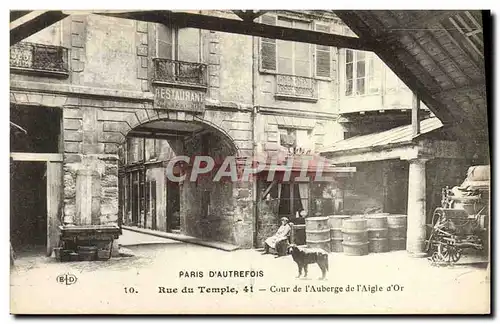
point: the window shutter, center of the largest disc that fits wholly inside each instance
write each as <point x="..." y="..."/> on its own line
<point x="323" y="55"/>
<point x="165" y="41"/>
<point x="268" y="47"/>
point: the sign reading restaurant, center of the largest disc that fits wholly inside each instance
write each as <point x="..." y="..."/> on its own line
<point x="179" y="99"/>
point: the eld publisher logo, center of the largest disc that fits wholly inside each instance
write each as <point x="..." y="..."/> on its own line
<point x="67" y="279"/>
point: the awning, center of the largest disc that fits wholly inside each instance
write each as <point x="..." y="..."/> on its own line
<point x="313" y="166"/>
<point x="394" y="136"/>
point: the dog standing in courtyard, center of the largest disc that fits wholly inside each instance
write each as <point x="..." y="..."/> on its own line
<point x="305" y="256"/>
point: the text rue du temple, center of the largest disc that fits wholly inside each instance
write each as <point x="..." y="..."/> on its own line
<point x="308" y="288"/>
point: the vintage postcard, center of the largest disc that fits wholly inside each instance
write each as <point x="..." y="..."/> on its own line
<point x="250" y="162"/>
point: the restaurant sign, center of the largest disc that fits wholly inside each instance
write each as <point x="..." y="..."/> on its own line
<point x="179" y="99"/>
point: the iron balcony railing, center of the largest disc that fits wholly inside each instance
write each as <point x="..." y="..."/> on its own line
<point x="296" y="87"/>
<point x="26" y="57"/>
<point x="179" y="72"/>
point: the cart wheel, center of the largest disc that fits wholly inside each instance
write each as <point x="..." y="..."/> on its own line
<point x="429" y="242"/>
<point x="456" y="254"/>
<point x="444" y="252"/>
<point x="448" y="253"/>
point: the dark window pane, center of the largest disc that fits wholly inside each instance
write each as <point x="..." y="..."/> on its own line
<point x="360" y="69"/>
<point x="323" y="63"/>
<point x="360" y="86"/>
<point x="268" y="55"/>
<point x="348" y="88"/>
<point x="349" y="71"/>
<point x="348" y="56"/>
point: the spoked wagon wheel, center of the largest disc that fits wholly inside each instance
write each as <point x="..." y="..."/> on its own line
<point x="449" y="253"/>
<point x="436" y="218"/>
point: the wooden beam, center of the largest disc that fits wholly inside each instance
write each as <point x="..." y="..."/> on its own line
<point x="248" y="15"/>
<point x="415" y="115"/>
<point x="433" y="17"/>
<point x="271" y="185"/>
<point x="472" y="60"/>
<point x="436" y="43"/>
<point x="154" y="135"/>
<point x="464" y="90"/>
<point x="36" y="157"/>
<point x="16" y="14"/>
<point x="417" y="43"/>
<point x="54" y="201"/>
<point x="403" y="153"/>
<point x="395" y="47"/>
<point x="386" y="53"/>
<point x="190" y="20"/>
<point x="32" y="23"/>
<point x="161" y="131"/>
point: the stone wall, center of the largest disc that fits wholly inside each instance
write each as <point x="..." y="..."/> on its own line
<point x="218" y="211"/>
<point x="90" y="189"/>
<point x="267" y="214"/>
<point x="323" y="132"/>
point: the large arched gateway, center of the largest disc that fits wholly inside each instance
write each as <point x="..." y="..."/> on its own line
<point x="167" y="179"/>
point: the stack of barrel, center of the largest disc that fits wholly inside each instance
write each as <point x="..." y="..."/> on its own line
<point x="397" y="232"/>
<point x="335" y="222"/>
<point x="355" y="236"/>
<point x="318" y="233"/>
<point x="377" y="232"/>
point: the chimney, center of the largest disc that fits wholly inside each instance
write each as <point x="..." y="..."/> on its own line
<point x="415" y="115"/>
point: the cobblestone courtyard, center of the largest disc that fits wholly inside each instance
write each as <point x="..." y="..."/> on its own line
<point x="140" y="284"/>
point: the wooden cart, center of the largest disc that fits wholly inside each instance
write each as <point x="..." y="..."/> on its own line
<point x="73" y="238"/>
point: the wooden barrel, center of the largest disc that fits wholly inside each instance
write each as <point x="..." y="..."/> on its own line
<point x="318" y="233"/>
<point x="355" y="236"/>
<point x="376" y="221"/>
<point x="377" y="233"/>
<point x="378" y="245"/>
<point x="397" y="232"/>
<point x="335" y="222"/>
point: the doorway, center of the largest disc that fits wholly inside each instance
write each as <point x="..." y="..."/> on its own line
<point x="28" y="211"/>
<point x="173" y="207"/>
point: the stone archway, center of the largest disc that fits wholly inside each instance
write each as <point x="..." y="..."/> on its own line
<point x="96" y="129"/>
<point x="152" y="196"/>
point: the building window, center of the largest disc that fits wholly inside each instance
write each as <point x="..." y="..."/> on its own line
<point x="178" y="57"/>
<point x="180" y="44"/>
<point x="294" y="58"/>
<point x="135" y="150"/>
<point x="295" y="140"/>
<point x="362" y="73"/>
<point x="323" y="55"/>
<point x="165" y="41"/>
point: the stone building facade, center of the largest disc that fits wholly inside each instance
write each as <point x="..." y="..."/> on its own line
<point x="131" y="95"/>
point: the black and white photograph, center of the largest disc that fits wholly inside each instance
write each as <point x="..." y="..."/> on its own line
<point x="260" y="162"/>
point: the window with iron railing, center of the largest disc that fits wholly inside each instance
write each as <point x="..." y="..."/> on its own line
<point x="32" y="57"/>
<point x="179" y="72"/>
<point x="294" y="86"/>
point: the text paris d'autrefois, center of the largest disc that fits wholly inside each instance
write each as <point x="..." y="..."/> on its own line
<point x="222" y="274"/>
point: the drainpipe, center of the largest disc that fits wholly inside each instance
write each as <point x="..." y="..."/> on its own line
<point x="415" y="115"/>
<point x="254" y="139"/>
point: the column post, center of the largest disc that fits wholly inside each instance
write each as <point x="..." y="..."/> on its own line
<point x="416" y="232"/>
